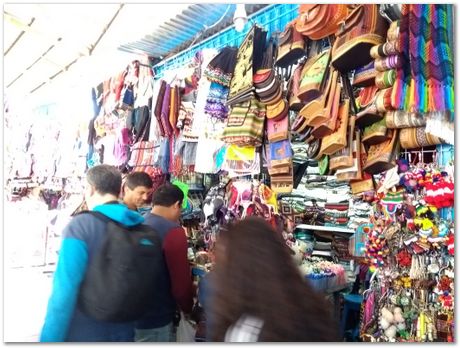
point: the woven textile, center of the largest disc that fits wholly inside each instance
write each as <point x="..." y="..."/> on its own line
<point x="425" y="79"/>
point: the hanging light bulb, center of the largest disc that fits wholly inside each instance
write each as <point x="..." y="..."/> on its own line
<point x="240" y="18"/>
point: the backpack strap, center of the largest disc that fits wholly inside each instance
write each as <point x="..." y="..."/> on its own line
<point x="98" y="215"/>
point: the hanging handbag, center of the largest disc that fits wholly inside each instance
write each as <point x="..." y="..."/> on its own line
<point x="280" y="154"/>
<point x="352" y="172"/>
<point x="293" y="89"/>
<point x="338" y="140"/>
<point x="376" y="133"/>
<point x="313" y="149"/>
<point x="291" y="46"/>
<point x="344" y="157"/>
<point x="317" y="111"/>
<point x="278" y="129"/>
<point x="404" y="119"/>
<point x="314" y="77"/>
<point x="300" y="126"/>
<point x="366" y="183"/>
<point x="245" y="124"/>
<point x="331" y="111"/>
<point x="363" y="28"/>
<point x="282" y="184"/>
<point x="370" y="113"/>
<point x="365" y="75"/>
<point x="277" y="111"/>
<point x="417" y="137"/>
<point x="381" y="157"/>
<point x="320" y="20"/>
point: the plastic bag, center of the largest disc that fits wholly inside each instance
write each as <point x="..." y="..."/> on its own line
<point x="185" y="331"/>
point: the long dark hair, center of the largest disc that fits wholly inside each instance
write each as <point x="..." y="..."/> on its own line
<point x="256" y="275"/>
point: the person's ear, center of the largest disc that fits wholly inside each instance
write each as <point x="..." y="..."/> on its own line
<point x="178" y="205"/>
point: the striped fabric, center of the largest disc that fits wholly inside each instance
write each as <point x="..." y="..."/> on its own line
<point x="142" y="154"/>
<point x="245" y="124"/>
<point x="425" y="80"/>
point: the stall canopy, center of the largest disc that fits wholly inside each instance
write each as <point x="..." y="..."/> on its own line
<point x="49" y="47"/>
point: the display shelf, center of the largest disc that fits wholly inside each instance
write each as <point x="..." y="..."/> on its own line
<point x="326" y="228"/>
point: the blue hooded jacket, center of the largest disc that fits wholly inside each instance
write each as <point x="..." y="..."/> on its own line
<point x="81" y="240"/>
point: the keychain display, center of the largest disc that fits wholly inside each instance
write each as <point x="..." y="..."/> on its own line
<point x="410" y="250"/>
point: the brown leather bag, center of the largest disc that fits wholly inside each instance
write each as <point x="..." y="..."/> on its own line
<point x="318" y="110"/>
<point x="344" y="157"/>
<point x="291" y="46"/>
<point x="330" y="125"/>
<point x="321" y="20"/>
<point x="366" y="183"/>
<point x="293" y="89"/>
<point x="381" y="157"/>
<point x="338" y="140"/>
<point x="314" y="76"/>
<point x="352" y="172"/>
<point x="362" y="29"/>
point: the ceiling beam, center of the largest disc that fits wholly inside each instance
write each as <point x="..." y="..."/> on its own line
<point x="19" y="24"/>
<point x="18" y="38"/>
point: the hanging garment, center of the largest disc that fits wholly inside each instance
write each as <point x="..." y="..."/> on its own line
<point x="425" y="79"/>
<point x="220" y="69"/>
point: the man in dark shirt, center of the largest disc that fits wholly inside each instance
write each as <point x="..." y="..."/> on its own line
<point x="175" y="288"/>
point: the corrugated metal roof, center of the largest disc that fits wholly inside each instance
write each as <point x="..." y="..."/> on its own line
<point x="180" y="32"/>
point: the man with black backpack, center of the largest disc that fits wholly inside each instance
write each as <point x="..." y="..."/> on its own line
<point x="107" y="270"/>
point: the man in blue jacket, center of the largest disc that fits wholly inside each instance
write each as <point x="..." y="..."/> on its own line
<point x="82" y="239"/>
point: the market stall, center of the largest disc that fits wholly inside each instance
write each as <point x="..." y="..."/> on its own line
<point x="334" y="127"/>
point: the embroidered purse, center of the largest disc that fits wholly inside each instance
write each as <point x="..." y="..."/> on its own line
<point x="278" y="129"/>
<point x="291" y="46"/>
<point x="313" y="77"/>
<point x="318" y="110"/>
<point x="375" y="133"/>
<point x="381" y="157"/>
<point x="331" y="111"/>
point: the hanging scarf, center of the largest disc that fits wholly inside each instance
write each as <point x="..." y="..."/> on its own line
<point x="425" y="80"/>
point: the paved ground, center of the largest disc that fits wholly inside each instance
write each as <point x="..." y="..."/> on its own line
<point x="25" y="296"/>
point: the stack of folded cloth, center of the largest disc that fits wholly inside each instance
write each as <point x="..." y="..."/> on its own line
<point x="358" y="213"/>
<point x="336" y="215"/>
<point x="340" y="248"/>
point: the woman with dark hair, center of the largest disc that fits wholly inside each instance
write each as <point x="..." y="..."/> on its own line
<point x="259" y="294"/>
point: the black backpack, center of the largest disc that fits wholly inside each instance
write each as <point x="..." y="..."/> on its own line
<point x="120" y="281"/>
